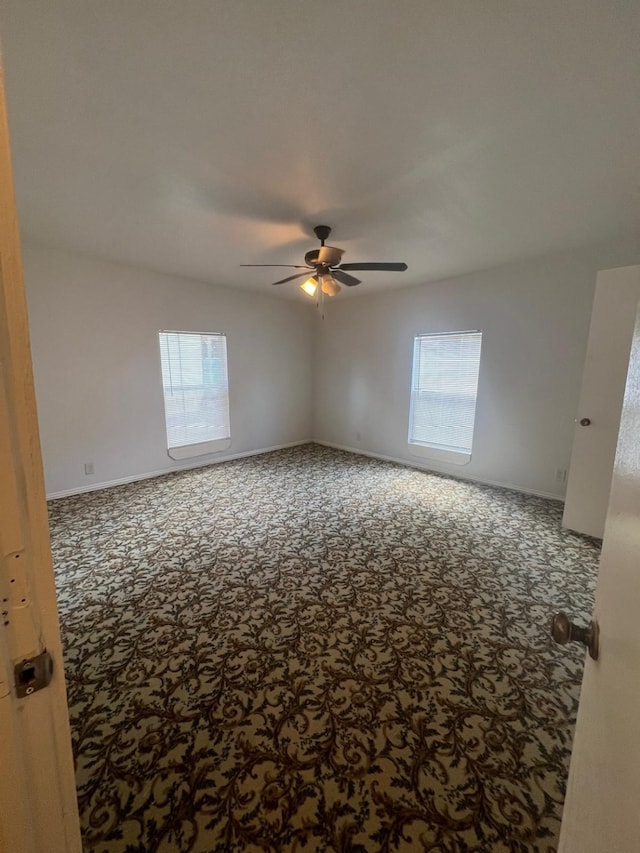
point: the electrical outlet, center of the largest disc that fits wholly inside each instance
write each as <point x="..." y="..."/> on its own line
<point x="88" y="468"/>
<point x="561" y="475"/>
<point x="358" y="436"/>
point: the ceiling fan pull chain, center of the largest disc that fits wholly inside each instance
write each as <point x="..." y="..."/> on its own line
<point x="320" y="301"/>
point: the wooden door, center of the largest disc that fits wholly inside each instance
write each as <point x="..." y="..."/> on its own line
<point x="605" y="370"/>
<point x="602" y="811"/>
<point x="38" y="807"/>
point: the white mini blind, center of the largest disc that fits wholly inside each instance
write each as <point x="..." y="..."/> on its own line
<point x="196" y="387"/>
<point x="444" y="390"/>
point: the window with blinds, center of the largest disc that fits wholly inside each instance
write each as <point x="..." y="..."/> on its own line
<point x="444" y="390"/>
<point x="196" y="392"/>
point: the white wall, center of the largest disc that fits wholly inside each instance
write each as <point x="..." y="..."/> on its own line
<point x="94" y="335"/>
<point x="94" y="330"/>
<point x="534" y="317"/>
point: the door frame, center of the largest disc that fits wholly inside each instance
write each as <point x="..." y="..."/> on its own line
<point x="38" y="805"/>
<point x="601" y="394"/>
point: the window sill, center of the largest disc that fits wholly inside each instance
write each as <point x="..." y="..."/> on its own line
<point x="188" y="451"/>
<point x="450" y="457"/>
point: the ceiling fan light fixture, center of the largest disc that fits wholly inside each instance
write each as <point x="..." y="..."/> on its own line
<point x="310" y="286"/>
<point x="329" y="285"/>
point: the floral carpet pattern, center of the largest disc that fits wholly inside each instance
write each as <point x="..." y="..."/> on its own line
<point x="314" y="651"/>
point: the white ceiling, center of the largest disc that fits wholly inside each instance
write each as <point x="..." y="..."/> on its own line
<point x="190" y="136"/>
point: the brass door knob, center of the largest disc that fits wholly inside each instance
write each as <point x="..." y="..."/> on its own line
<point x="585" y="422"/>
<point x="564" y="631"/>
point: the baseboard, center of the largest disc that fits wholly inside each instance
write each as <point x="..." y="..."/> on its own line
<point x="107" y="484"/>
<point x="455" y="476"/>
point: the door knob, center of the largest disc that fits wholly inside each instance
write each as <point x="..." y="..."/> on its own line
<point x="585" y="422"/>
<point x="564" y="631"/>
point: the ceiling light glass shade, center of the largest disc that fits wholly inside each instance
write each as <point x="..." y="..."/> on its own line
<point x="329" y="285"/>
<point x="309" y="286"/>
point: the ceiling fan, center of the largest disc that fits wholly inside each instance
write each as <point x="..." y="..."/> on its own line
<point x="326" y="268"/>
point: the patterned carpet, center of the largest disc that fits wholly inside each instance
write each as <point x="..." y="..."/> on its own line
<point x="313" y="651"/>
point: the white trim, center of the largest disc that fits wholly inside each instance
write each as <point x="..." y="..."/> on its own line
<point x="409" y="463"/>
<point x="201" y="448"/>
<point x="437" y="454"/>
<point x="95" y="487"/>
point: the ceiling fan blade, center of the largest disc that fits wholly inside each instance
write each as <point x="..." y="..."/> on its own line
<point x="386" y="267"/>
<point x="329" y="255"/>
<point x="293" y="266"/>
<point x="291" y="277"/>
<point x="345" y="278"/>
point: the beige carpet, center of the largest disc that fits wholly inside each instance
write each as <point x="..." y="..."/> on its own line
<point x="314" y="651"/>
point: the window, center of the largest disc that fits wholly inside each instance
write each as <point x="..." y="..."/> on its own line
<point x="196" y="393"/>
<point x="443" y="394"/>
